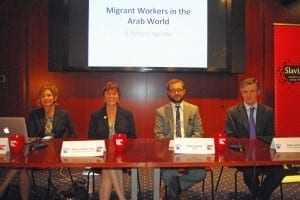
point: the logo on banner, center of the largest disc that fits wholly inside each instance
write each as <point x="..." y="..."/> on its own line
<point x="289" y="73"/>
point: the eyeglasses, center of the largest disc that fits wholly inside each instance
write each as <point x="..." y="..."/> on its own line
<point x="178" y="90"/>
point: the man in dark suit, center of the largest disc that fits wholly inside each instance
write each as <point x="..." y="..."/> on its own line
<point x="190" y="126"/>
<point x="237" y="124"/>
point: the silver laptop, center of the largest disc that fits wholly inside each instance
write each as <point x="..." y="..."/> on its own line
<point x="10" y="125"/>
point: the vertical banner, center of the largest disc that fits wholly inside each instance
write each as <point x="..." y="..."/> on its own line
<point x="287" y="79"/>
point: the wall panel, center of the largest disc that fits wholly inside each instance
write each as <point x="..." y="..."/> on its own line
<point x="80" y="92"/>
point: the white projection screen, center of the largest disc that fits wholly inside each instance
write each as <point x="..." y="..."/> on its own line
<point x="134" y="33"/>
<point x="146" y="35"/>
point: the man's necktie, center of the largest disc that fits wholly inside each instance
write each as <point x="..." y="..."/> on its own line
<point x="252" y="123"/>
<point x="178" y="129"/>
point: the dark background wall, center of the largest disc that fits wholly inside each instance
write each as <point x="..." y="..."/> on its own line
<point x="24" y="63"/>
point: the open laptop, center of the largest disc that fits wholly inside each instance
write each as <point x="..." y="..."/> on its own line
<point x="11" y="125"/>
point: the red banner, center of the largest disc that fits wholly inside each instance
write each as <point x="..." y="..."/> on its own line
<point x="287" y="79"/>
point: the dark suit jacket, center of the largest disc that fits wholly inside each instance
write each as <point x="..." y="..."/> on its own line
<point x="236" y="121"/>
<point x="99" y="129"/>
<point x="164" y="121"/>
<point x="62" y="123"/>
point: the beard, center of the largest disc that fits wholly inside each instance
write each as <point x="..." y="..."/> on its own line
<point x="176" y="100"/>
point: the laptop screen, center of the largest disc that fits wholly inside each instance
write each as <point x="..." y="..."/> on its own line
<point x="12" y="125"/>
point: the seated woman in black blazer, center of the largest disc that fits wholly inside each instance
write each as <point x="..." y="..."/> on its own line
<point x="105" y="122"/>
<point x="48" y="120"/>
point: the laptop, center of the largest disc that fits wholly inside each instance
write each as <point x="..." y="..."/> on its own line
<point x="11" y="125"/>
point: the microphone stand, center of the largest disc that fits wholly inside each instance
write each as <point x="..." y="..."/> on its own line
<point x="238" y="147"/>
<point x="37" y="146"/>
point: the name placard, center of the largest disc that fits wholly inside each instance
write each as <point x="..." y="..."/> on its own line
<point x="194" y="145"/>
<point x="286" y="144"/>
<point x="4" y="145"/>
<point x="83" y="148"/>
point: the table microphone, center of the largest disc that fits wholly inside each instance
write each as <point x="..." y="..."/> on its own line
<point x="36" y="145"/>
<point x="235" y="147"/>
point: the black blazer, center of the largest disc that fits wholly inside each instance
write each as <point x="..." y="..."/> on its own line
<point x="99" y="128"/>
<point x="236" y="121"/>
<point x="62" y="123"/>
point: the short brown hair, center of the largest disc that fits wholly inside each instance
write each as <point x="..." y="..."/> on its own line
<point x="111" y="86"/>
<point x="174" y="80"/>
<point x="249" y="81"/>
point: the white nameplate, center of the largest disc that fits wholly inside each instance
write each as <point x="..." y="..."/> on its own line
<point x="194" y="145"/>
<point x="4" y="145"/>
<point x="83" y="148"/>
<point x="286" y="144"/>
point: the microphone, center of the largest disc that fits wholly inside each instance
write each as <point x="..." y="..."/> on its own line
<point x="235" y="147"/>
<point x="37" y="146"/>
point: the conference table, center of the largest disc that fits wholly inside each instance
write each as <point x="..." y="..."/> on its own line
<point x="255" y="153"/>
<point x="152" y="153"/>
<point x="134" y="157"/>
